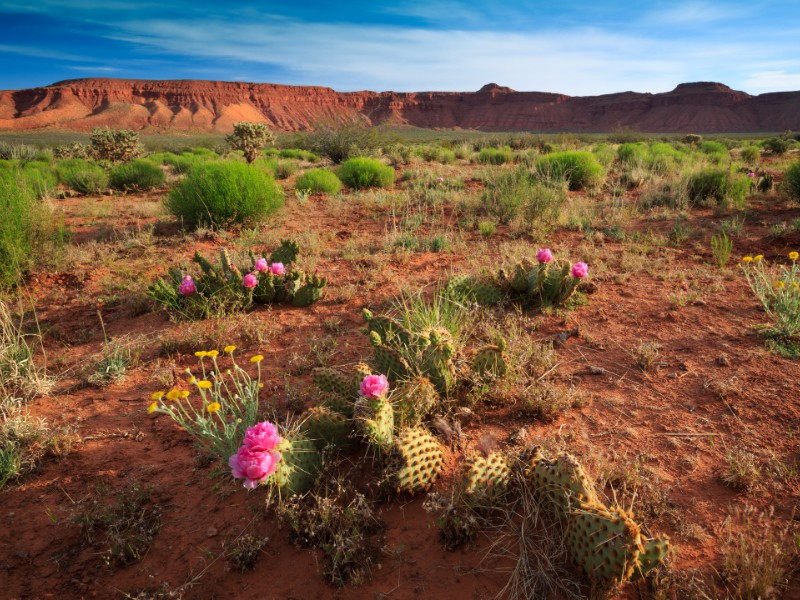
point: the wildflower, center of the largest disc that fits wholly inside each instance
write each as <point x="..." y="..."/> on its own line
<point x="257" y="358"/>
<point x="580" y="270"/>
<point x="747" y="259"/>
<point x="374" y="386"/>
<point x="212" y="353"/>
<point x="184" y="394"/>
<point x="192" y="379"/>
<point x="794" y="284"/>
<point x="253" y="466"/>
<point x="201" y="354"/>
<point x="794" y="255"/>
<point x="187" y="287"/>
<point x="277" y="269"/>
<point x="758" y="257"/>
<point x="250" y="281"/>
<point x="751" y="174"/>
<point x="204" y="384"/>
<point x="213" y="407"/>
<point x="173" y="394"/>
<point x="262" y="265"/>
<point x="779" y="284"/>
<point x="262" y="437"/>
<point x="544" y="255"/>
<point x="229" y="349"/>
<point x="152" y="408"/>
<point x="440" y="179"/>
<point x="157" y="396"/>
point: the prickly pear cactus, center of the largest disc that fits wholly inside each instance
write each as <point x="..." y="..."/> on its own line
<point x="558" y="283"/>
<point x="327" y="427"/>
<point x="310" y="292"/>
<point x="487" y="476"/>
<point x="437" y="359"/>
<point x="390" y="330"/>
<point x="266" y="290"/>
<point x="655" y="551"/>
<point x="375" y="420"/>
<point x="335" y="382"/>
<point x="460" y="286"/>
<point x="387" y="359"/>
<point x="415" y="462"/>
<point x="487" y="294"/>
<point x="490" y="360"/>
<point x="560" y="483"/>
<point x="286" y="253"/>
<point x="300" y="462"/>
<point x="414" y="400"/>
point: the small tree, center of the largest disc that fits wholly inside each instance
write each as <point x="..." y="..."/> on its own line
<point x="250" y="138"/>
<point x="116" y="145"/>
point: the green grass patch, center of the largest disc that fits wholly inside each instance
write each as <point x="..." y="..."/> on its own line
<point x="319" y="180"/>
<point x="362" y="172"/>
<point x="138" y="175"/>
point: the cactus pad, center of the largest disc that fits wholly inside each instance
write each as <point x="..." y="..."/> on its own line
<point x="300" y="462"/>
<point x="375" y="420"/>
<point x="326" y="427"/>
<point x="487" y="476"/>
<point x="560" y="483"/>
<point x="310" y="292"/>
<point x="415" y="462"/>
<point x="414" y="400"/>
<point x="490" y="360"/>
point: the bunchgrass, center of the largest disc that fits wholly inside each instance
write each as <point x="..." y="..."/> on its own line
<point x="83" y="176"/>
<point x="579" y="169"/>
<point x="319" y="181"/>
<point x="139" y="175"/>
<point x="361" y="172"/>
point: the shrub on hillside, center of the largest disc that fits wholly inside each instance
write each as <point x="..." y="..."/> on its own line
<point x="116" y="145"/>
<point x="217" y="193"/>
<point x="718" y="187"/>
<point x="632" y="154"/>
<point x="792" y="181"/>
<point x="83" y="176"/>
<point x="250" y="138"/>
<point x="139" y="175"/>
<point x="361" y="172"/>
<point x="319" y="180"/>
<point x="579" y="169"/>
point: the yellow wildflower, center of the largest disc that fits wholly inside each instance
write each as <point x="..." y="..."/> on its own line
<point x="212" y="353"/>
<point x="779" y="284"/>
<point x="184" y="394"/>
<point x="747" y="259"/>
<point x="173" y="394"/>
<point x="205" y="384"/>
<point x="151" y="409"/>
<point x="213" y="407"/>
<point x="257" y="358"/>
<point x="229" y="349"/>
<point x="157" y="396"/>
<point x="201" y="354"/>
<point x="260" y="385"/>
<point x="794" y="255"/>
<point x="192" y="379"/>
<point x="758" y="257"/>
<point x="794" y="284"/>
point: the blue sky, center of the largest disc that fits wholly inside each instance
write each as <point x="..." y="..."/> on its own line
<point x="572" y="47"/>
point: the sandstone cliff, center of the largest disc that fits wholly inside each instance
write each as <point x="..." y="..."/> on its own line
<point x="214" y="106"/>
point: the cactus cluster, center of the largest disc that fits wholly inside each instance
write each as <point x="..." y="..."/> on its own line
<point x="223" y="288"/>
<point x="605" y="541"/>
<point x="415" y="461"/>
<point x="326" y="427"/>
<point x="297" y="470"/>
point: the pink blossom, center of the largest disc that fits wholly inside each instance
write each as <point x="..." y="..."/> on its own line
<point x="250" y="281"/>
<point x="262" y="437"/>
<point x="544" y="255"/>
<point x="440" y="179"/>
<point x="277" y="269"/>
<point x="751" y="174"/>
<point x="580" y="270"/>
<point x="187" y="287"/>
<point x="254" y="466"/>
<point x="374" y="386"/>
<point x="261" y="265"/>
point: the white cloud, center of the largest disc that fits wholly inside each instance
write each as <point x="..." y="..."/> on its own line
<point x="774" y="81"/>
<point x="93" y="69"/>
<point x="695" y="13"/>
<point x="39" y="52"/>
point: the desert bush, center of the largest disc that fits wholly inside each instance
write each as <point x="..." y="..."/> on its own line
<point x="776" y="287"/>
<point x="83" y="176"/>
<point x="285" y="169"/>
<point x="23" y="152"/>
<point x="751" y="154"/>
<point x="138" y="175"/>
<point x="116" y="145"/>
<point x="214" y="194"/>
<point x="632" y="154"/>
<point x="713" y="148"/>
<point x="718" y="187"/>
<point x="319" y="180"/>
<point x="250" y="138"/>
<point x="776" y="146"/>
<point x="495" y="156"/>
<point x="75" y="150"/>
<point x="41" y="176"/>
<point x="514" y="195"/>
<point x="792" y="181"/>
<point x="183" y="163"/>
<point x="298" y="154"/>
<point x="340" y="142"/>
<point x="692" y="139"/>
<point x="361" y="172"/>
<point x="579" y="169"/>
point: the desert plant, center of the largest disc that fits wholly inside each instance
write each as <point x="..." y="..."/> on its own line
<point x="776" y="146"/>
<point x="20" y="376"/>
<point x="215" y="194"/>
<point x="72" y="151"/>
<point x="83" y="176"/>
<point x="486" y="228"/>
<point x="250" y="138"/>
<point x="579" y="169"/>
<point x="115" y="145"/>
<point x="495" y="156"/>
<point x="719" y="187"/>
<point x="751" y="154"/>
<point x="777" y="290"/>
<point x="341" y="141"/>
<point x="713" y="148"/>
<point x="298" y="154"/>
<point x="792" y="181"/>
<point x="139" y="175"/>
<point x="721" y="248"/>
<point x="319" y="181"/>
<point x="361" y="172"/>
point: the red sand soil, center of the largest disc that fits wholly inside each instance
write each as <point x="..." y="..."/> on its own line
<point x="627" y="414"/>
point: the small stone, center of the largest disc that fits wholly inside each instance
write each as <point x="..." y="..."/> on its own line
<point x="723" y="360"/>
<point x="211" y="532"/>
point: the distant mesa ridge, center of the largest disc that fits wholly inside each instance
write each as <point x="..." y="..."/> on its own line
<point x="214" y="106"/>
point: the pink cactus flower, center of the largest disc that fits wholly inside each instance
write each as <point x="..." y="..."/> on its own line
<point x="263" y="437"/>
<point x="250" y="281"/>
<point x="262" y="265"/>
<point x="440" y="179"/>
<point x="277" y="269"/>
<point x="374" y="386"/>
<point x="580" y="270"/>
<point x="544" y="255"/>
<point x="253" y="466"/>
<point x="187" y="287"/>
<point x="751" y="174"/>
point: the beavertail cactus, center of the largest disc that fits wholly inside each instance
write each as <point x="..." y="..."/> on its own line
<point x="299" y="465"/>
<point x="437" y="359"/>
<point x="414" y="400"/>
<point x="487" y="476"/>
<point x="415" y="462"/>
<point x="286" y="253"/>
<point x="388" y="359"/>
<point x="560" y="483"/>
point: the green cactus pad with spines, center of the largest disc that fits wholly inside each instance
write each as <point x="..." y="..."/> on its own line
<point x="390" y="330"/>
<point x="300" y="462"/>
<point x="387" y="359"/>
<point x="361" y="371"/>
<point x="461" y="287"/>
<point x="560" y="483"/>
<point x="555" y="287"/>
<point x="490" y="360"/>
<point x="415" y="462"/>
<point x="266" y="290"/>
<point x="654" y="553"/>
<point x="487" y="294"/>
<point x="310" y="292"/>
<point x="335" y="382"/>
<point x="487" y="476"/>
<point x="606" y="543"/>
<point x="437" y="360"/>
<point x="519" y="280"/>
<point x="414" y="400"/>
<point x="327" y="427"/>
<point x="374" y="418"/>
<point x="286" y="253"/>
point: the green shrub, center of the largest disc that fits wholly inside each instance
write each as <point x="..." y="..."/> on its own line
<point x="139" y="175"/>
<point x="495" y="156"/>
<point x="216" y="193"/>
<point x="579" y="169"/>
<point x="22" y="152"/>
<point x="285" y="169"/>
<point x="361" y="172"/>
<point x="632" y="154"/>
<point x="775" y="145"/>
<point x="319" y="180"/>
<point x="250" y="138"/>
<point x="183" y="163"/>
<point x="435" y="154"/>
<point x="116" y="145"/>
<point x="751" y="154"/>
<point x="340" y="142"/>
<point x="718" y="187"/>
<point x="713" y="148"/>
<point x="792" y="181"/>
<point x="298" y="154"/>
<point x="42" y="177"/>
<point x="83" y="176"/>
<point x="516" y="194"/>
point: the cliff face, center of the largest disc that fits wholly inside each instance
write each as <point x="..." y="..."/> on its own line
<point x="214" y="106"/>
